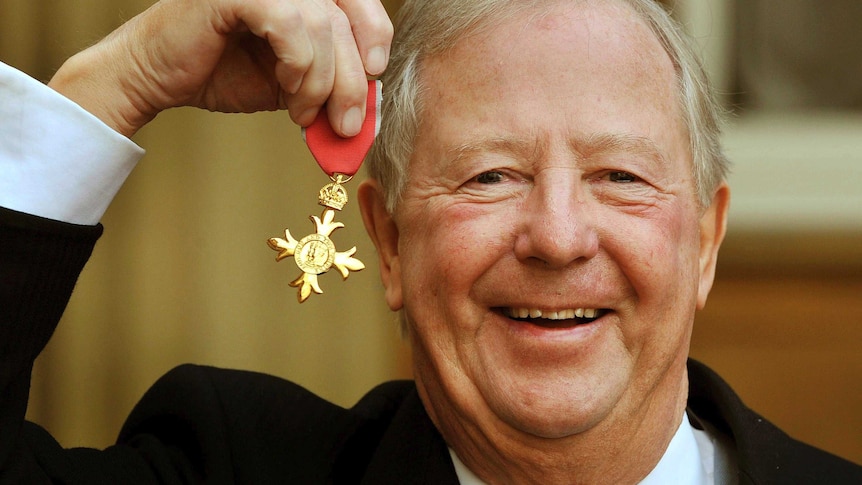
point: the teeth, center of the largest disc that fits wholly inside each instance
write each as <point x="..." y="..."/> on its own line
<point x="551" y="315"/>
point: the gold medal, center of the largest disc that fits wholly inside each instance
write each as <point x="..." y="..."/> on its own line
<point x="315" y="254"/>
<point x="340" y="158"/>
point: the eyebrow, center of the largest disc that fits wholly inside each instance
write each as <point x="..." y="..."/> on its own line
<point x="528" y="149"/>
<point x="585" y="147"/>
<point x="617" y="143"/>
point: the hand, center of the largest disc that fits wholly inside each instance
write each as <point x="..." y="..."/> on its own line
<point x="234" y="56"/>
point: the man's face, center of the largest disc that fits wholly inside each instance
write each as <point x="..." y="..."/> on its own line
<point x="548" y="249"/>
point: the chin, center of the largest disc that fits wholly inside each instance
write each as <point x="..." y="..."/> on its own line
<point x="562" y="409"/>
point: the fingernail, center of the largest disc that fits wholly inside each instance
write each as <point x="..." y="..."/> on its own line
<point x="375" y="62"/>
<point x="352" y="121"/>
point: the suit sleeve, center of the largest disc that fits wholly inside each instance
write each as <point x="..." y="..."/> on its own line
<point x="40" y="262"/>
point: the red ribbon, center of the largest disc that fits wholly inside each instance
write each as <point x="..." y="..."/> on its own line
<point x="335" y="154"/>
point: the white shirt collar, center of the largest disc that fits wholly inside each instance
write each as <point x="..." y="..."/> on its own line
<point x="683" y="462"/>
<point x="686" y="461"/>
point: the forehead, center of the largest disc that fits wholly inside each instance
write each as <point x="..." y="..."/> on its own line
<point x="593" y="67"/>
<point x="609" y="29"/>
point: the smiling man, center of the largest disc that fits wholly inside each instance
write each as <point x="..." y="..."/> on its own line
<point x="547" y="198"/>
<point x="549" y="247"/>
<point x="551" y="242"/>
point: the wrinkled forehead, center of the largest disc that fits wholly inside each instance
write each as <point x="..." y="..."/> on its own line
<point x="456" y="22"/>
<point x="595" y="33"/>
<point x="571" y="57"/>
<point x="483" y="49"/>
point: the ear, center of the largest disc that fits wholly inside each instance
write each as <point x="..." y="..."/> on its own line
<point x="713" y="224"/>
<point x="383" y="231"/>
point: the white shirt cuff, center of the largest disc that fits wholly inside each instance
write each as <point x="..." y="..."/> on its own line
<point x="56" y="159"/>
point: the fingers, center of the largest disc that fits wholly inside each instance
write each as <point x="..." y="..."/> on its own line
<point x="301" y="37"/>
<point x="346" y="105"/>
<point x="372" y="30"/>
<point x="362" y="47"/>
<point x="298" y="38"/>
<point x="323" y="53"/>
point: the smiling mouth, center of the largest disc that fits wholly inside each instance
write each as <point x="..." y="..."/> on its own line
<point x="555" y="319"/>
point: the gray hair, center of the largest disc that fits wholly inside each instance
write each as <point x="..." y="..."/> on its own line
<point x="425" y="28"/>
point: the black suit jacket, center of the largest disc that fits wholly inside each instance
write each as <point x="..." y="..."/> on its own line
<point x="223" y="426"/>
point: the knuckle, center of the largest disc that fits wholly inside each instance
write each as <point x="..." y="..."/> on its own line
<point x="301" y="112"/>
<point x="290" y="18"/>
<point x="317" y="92"/>
<point x="354" y="84"/>
<point x="318" y="22"/>
<point x="380" y="26"/>
<point x="338" y="19"/>
<point x="298" y="59"/>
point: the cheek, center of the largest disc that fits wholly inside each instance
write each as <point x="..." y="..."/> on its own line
<point x="451" y="246"/>
<point x="659" y="257"/>
<point x="444" y="252"/>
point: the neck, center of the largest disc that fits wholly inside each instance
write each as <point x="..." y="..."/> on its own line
<point x="635" y="438"/>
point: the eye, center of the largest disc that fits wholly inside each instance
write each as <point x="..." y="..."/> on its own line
<point x="491" y="177"/>
<point x="622" y="177"/>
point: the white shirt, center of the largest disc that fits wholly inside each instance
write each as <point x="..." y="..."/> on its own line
<point x="56" y="159"/>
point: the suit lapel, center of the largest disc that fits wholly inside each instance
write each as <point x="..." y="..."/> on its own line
<point x="411" y="450"/>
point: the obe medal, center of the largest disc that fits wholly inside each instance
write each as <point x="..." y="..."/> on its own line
<point x="315" y="254"/>
<point x="340" y="158"/>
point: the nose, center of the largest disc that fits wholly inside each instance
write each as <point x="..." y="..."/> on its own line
<point x="557" y="225"/>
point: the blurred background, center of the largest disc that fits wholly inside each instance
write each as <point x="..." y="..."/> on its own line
<point x="183" y="273"/>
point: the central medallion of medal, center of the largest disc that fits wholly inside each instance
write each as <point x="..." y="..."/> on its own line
<point x="315" y="254"/>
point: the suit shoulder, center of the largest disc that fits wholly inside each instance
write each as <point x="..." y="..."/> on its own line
<point x="384" y="399"/>
<point x="223" y="422"/>
<point x="764" y="453"/>
<point x="235" y="396"/>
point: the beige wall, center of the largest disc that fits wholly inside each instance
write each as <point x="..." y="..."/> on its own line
<point x="183" y="274"/>
<point x="782" y="325"/>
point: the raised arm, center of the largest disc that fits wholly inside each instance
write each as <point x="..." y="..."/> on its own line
<point x="221" y="55"/>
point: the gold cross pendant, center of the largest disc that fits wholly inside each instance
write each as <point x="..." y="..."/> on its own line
<point x="315" y="254"/>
